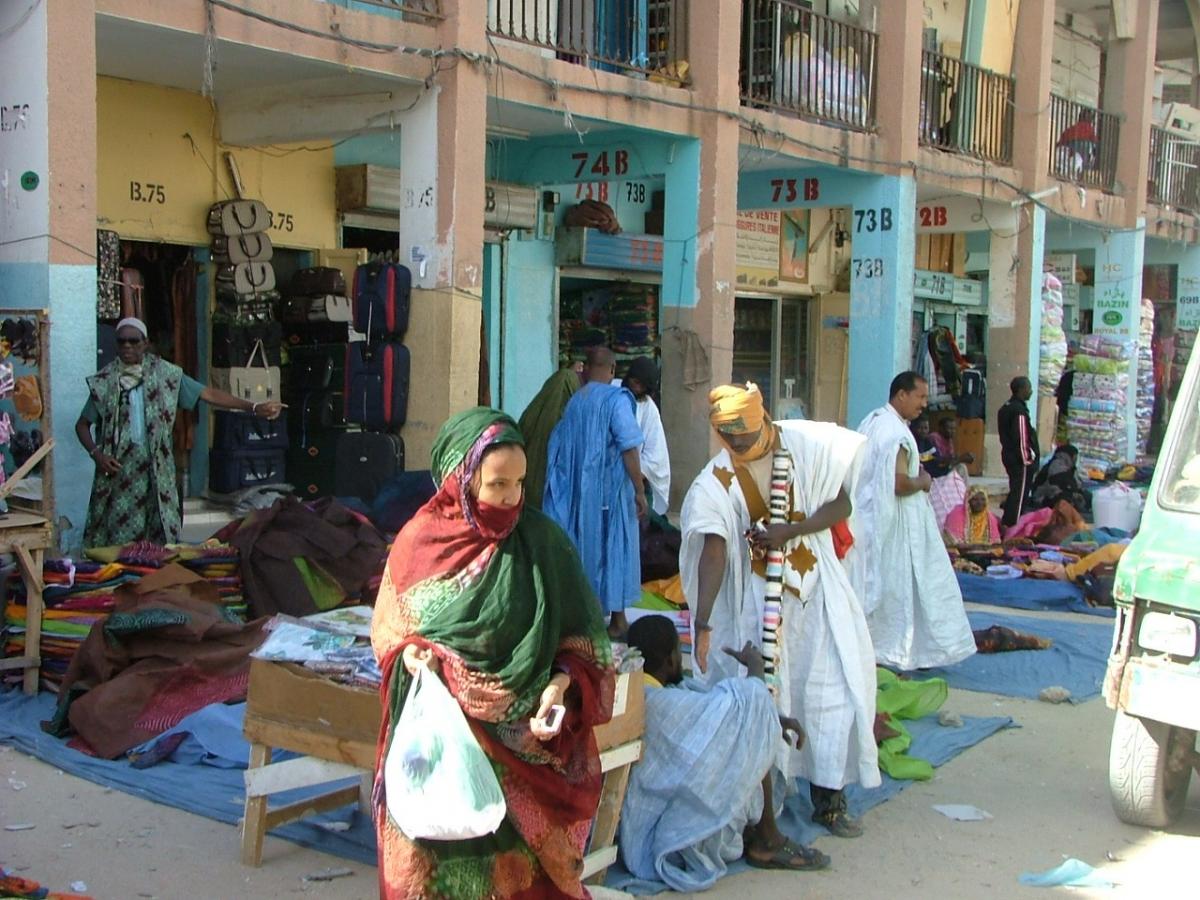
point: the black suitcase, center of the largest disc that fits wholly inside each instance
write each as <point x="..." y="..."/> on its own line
<point x="246" y="431"/>
<point x="308" y="334"/>
<point x="376" y="384"/>
<point x="311" y="467"/>
<point x="314" y="411"/>
<point x="232" y="342"/>
<point x="315" y="367"/>
<point x="234" y="470"/>
<point x="365" y="462"/>
<point x="317" y="280"/>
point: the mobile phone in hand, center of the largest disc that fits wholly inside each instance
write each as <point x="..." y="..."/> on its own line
<point x="554" y="718"/>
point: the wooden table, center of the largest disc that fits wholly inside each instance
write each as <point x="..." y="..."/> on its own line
<point x="27" y="537"/>
<point x="336" y="727"/>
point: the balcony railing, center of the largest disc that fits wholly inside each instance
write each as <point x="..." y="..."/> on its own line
<point x="966" y="109"/>
<point x="1084" y="144"/>
<point x="1174" y="171"/>
<point x="647" y="37"/>
<point x="798" y="61"/>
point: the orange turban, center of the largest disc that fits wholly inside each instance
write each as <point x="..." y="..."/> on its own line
<point x="736" y="409"/>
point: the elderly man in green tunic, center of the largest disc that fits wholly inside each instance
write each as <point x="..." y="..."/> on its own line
<point x="132" y="403"/>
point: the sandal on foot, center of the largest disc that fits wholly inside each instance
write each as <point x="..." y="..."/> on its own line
<point x="790" y="855"/>
<point x="839" y="824"/>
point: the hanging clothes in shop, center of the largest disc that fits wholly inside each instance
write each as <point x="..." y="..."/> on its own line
<point x="186" y="355"/>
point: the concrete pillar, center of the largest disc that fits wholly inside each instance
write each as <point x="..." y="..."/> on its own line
<point x="704" y="306"/>
<point x="1128" y="89"/>
<point x="444" y="136"/>
<point x="898" y="105"/>
<point x="881" y="279"/>
<point x="1015" y="276"/>
<point x="1117" y="302"/>
<point x="48" y="215"/>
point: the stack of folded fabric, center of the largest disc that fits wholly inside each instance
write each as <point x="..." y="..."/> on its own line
<point x="78" y="594"/>
<point x="633" y="321"/>
<point x="1145" y="376"/>
<point x="220" y="565"/>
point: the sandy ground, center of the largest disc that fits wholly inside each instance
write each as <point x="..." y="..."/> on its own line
<point x="1045" y="784"/>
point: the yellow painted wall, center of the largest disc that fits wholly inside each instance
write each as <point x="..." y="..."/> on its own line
<point x="999" y="35"/>
<point x="160" y="166"/>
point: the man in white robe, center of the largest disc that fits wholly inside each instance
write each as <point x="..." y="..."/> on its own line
<point x="642" y="381"/>
<point x="702" y="794"/>
<point x="825" y="670"/>
<point x="913" y="602"/>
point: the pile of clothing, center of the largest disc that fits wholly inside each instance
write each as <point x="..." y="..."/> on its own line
<point x="79" y="594"/>
<point x="335" y="644"/>
<point x="633" y="322"/>
<point x="1096" y="416"/>
<point x="1145" y="376"/>
<point x="937" y="359"/>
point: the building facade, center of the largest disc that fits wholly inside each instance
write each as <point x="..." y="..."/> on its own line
<point x="803" y="189"/>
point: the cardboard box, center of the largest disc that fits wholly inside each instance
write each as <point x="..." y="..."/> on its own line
<point x="287" y="705"/>
<point x="629" y="720"/>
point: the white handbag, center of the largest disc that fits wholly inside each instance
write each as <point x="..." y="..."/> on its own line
<point x="256" y="383"/>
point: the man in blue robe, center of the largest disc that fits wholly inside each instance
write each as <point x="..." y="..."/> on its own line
<point x="594" y="487"/>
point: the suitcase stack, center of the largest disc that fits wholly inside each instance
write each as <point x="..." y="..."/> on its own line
<point x="376" y="382"/>
<point x="247" y="451"/>
<point x="316" y="320"/>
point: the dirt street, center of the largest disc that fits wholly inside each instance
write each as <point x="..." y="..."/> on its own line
<point x="1044" y="784"/>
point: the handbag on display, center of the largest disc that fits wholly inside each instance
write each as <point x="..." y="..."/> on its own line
<point x="329" y="308"/>
<point x="27" y="398"/>
<point x="243" y="248"/>
<point x="256" y="383"/>
<point x="246" y="279"/>
<point x="235" y="217"/>
<point x="108" y="274"/>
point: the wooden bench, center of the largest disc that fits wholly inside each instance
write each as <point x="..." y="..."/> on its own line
<point x="336" y="728"/>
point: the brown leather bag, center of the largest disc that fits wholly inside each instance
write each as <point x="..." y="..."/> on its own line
<point x="27" y="398"/>
<point x="593" y="214"/>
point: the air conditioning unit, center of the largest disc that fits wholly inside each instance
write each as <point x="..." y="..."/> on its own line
<point x="507" y="206"/>
<point x="367" y="189"/>
<point x="1182" y="119"/>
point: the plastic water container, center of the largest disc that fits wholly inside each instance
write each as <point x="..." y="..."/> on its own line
<point x="1116" y="506"/>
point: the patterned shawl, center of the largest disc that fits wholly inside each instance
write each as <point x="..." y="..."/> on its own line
<point x="502" y="600"/>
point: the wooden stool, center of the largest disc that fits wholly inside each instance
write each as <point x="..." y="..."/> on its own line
<point x="27" y="537"/>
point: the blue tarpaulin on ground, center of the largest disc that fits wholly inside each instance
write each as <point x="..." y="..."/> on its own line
<point x="1075" y="661"/>
<point x="933" y="742"/>
<point x="1028" y="593"/>
<point x="206" y="790"/>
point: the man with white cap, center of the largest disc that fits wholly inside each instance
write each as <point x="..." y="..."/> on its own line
<point x="132" y="404"/>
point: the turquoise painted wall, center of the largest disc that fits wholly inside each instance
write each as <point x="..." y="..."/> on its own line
<point x="530" y="342"/>
<point x="68" y="293"/>
<point x="379" y="149"/>
<point x="883" y="235"/>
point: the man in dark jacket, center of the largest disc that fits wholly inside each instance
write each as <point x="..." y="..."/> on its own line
<point x="1018" y="449"/>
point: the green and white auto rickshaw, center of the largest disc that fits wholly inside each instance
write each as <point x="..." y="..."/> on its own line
<point x="1153" y="677"/>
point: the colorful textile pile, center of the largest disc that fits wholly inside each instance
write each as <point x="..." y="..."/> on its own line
<point x="1185" y="339"/>
<point x="1145" y="376"/>
<point x="14" y="886"/>
<point x="1053" y="346"/>
<point x="623" y="317"/>
<point x="1096" y="422"/>
<point x="80" y="594"/>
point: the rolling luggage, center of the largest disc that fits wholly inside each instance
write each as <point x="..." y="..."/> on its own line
<point x="311" y="464"/>
<point x="316" y="367"/>
<point x="317" y="410"/>
<point x="381" y="299"/>
<point x="245" y="431"/>
<point x="236" y="217"/>
<point x="365" y="462"/>
<point x="234" y="470"/>
<point x="316" y="281"/>
<point x="311" y="334"/>
<point x="376" y="384"/>
<point x="322" y="308"/>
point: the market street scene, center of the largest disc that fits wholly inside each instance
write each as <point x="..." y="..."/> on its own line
<point x="479" y="449"/>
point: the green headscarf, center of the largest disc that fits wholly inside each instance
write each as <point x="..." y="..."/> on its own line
<point x="456" y="439"/>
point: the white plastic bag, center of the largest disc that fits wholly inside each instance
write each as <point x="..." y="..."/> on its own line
<point x="439" y="783"/>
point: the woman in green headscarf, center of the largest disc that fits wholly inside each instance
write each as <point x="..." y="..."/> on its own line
<point x="491" y="595"/>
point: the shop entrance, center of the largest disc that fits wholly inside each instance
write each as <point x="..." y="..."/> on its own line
<point x="615" y="309"/>
<point x="771" y="349"/>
